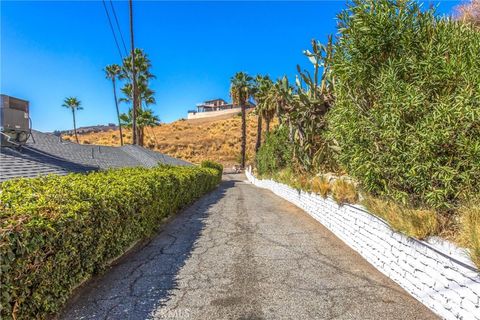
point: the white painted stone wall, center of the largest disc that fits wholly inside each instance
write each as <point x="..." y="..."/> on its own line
<point x="449" y="286"/>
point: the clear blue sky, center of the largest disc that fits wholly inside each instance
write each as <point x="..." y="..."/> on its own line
<point x="51" y="50"/>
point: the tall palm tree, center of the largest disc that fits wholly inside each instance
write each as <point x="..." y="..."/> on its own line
<point x="279" y="101"/>
<point x="261" y="90"/>
<point x="112" y="72"/>
<point x="241" y="89"/>
<point x="146" y="96"/>
<point x="73" y="104"/>
<point x="145" y="118"/>
<point x="142" y="77"/>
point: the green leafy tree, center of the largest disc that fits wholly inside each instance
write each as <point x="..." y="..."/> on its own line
<point x="112" y="72"/>
<point x="73" y="104"/>
<point x="241" y="89"/>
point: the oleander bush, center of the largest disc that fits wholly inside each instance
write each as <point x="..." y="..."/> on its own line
<point x="56" y="231"/>
<point x="407" y="103"/>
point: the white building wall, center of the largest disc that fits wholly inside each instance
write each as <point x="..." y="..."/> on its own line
<point x="202" y="115"/>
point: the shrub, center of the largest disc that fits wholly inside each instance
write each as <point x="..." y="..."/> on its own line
<point x="275" y="153"/>
<point x="469" y="234"/>
<point x="418" y="223"/>
<point x="57" y="231"/>
<point x="407" y="103"/>
<point x="213" y="165"/>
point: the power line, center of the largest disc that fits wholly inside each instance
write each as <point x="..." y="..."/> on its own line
<point x="118" y="28"/>
<point x="113" y="31"/>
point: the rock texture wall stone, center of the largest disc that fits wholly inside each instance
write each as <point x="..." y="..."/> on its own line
<point x="445" y="284"/>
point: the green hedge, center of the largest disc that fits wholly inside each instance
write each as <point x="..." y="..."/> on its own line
<point x="275" y="153"/>
<point x="213" y="165"/>
<point x="57" y="231"/>
<point x="407" y="103"/>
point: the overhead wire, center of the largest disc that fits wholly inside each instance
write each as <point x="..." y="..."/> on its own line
<point x="112" y="29"/>
<point x="118" y="27"/>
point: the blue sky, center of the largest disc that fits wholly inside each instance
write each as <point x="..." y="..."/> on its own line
<point x="51" y="50"/>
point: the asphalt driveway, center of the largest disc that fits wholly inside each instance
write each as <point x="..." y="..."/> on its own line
<point x="243" y="253"/>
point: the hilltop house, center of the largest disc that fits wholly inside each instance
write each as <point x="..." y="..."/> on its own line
<point x="216" y="107"/>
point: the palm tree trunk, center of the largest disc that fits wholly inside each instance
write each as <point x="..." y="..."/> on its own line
<point x="74" y="125"/>
<point x="259" y="133"/>
<point x="140" y="130"/>
<point x="141" y="135"/>
<point x="267" y="129"/>
<point x="118" y="112"/>
<point x="244" y="135"/>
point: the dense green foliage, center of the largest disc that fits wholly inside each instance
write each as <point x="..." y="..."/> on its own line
<point x="213" y="165"/>
<point x="57" y="231"/>
<point x="402" y="101"/>
<point x="275" y="154"/>
<point x="407" y="103"/>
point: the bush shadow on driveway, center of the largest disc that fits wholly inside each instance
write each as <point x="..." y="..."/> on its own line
<point x="142" y="280"/>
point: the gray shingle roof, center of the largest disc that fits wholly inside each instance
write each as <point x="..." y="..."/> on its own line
<point x="48" y="154"/>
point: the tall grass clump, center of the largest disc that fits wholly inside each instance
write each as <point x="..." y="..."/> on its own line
<point x="415" y="222"/>
<point x="321" y="186"/>
<point x="469" y="234"/>
<point x="407" y="103"/>
<point x="344" y="191"/>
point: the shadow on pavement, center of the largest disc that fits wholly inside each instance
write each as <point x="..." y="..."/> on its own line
<point x="144" y="279"/>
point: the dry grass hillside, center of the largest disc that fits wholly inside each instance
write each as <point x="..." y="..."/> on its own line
<point x="216" y="139"/>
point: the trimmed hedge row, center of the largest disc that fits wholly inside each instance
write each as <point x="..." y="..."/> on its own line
<point x="57" y="231"/>
<point x="212" y="164"/>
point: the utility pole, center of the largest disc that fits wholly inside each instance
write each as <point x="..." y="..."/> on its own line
<point x="134" y="79"/>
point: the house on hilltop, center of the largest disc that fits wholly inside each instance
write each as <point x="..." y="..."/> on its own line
<point x="215" y="107"/>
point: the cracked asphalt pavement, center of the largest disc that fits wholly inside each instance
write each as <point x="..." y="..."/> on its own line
<point x="241" y="252"/>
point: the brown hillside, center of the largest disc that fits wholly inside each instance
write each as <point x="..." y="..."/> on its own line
<point x="215" y="139"/>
